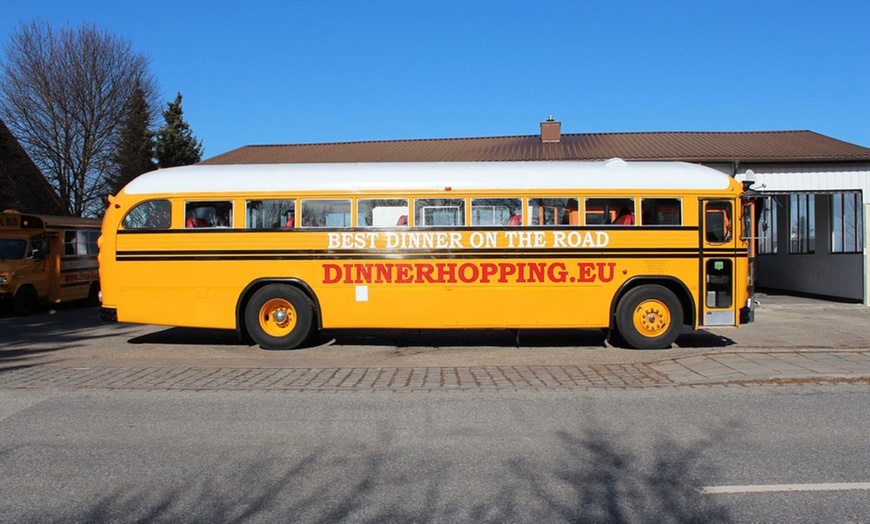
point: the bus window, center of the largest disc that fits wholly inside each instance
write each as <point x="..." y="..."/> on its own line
<point x="660" y="212"/>
<point x="80" y="242"/>
<point x="208" y="214"/>
<point x="38" y="249"/>
<point x="12" y="249"/>
<point x="605" y="211"/>
<point x="496" y="211"/>
<point x="719" y="283"/>
<point x="718" y="221"/>
<point x="439" y="212"/>
<point x="382" y="212"/>
<point x="153" y="214"/>
<point x="554" y="211"/>
<point x="326" y="213"/>
<point x="270" y="214"/>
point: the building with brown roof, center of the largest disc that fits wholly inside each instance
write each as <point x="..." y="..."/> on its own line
<point x="814" y="190"/>
<point x="22" y="186"/>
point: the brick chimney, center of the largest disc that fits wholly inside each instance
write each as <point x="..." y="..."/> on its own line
<point x="551" y="131"/>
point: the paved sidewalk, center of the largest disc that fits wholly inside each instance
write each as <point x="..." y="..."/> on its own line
<point x="786" y="367"/>
<point x="773" y="366"/>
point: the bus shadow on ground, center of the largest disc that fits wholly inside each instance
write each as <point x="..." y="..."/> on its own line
<point x="403" y="338"/>
<point x="191" y="337"/>
<point x="691" y="338"/>
<point x="534" y="338"/>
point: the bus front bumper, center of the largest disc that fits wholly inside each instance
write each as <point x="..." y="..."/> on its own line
<point x="108" y="314"/>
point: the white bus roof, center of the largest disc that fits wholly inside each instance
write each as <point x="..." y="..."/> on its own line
<point x="428" y="176"/>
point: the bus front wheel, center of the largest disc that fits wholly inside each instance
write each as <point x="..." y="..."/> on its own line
<point x="649" y="317"/>
<point x="24" y="302"/>
<point x="279" y="317"/>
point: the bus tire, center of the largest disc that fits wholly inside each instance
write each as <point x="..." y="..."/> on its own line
<point x="24" y="302"/>
<point x="279" y="316"/>
<point x="93" y="298"/>
<point x="649" y="317"/>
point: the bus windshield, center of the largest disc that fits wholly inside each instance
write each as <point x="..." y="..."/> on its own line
<point x="12" y="249"/>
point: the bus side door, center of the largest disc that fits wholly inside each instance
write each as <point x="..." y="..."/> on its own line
<point x="718" y="261"/>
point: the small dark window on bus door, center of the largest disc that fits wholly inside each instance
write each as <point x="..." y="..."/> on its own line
<point x="719" y="274"/>
<point x="717" y="222"/>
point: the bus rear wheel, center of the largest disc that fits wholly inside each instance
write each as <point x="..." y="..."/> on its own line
<point x="279" y="317"/>
<point x="649" y="317"/>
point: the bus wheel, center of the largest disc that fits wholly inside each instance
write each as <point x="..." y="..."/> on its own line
<point x="24" y="302"/>
<point x="649" y="317"/>
<point x="94" y="295"/>
<point x="279" y="317"/>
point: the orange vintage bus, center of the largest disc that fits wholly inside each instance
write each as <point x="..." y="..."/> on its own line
<point x="47" y="258"/>
<point x="279" y="251"/>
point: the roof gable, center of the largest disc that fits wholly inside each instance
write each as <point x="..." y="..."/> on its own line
<point x="24" y="187"/>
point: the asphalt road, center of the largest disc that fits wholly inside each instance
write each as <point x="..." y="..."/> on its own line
<point x="81" y="452"/>
<point x="606" y="456"/>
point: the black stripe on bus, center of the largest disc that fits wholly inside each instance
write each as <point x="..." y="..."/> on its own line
<point x="77" y="269"/>
<point x="76" y="284"/>
<point x="226" y="256"/>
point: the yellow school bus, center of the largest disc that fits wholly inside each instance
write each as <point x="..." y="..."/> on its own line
<point x="47" y="258"/>
<point x="279" y="251"/>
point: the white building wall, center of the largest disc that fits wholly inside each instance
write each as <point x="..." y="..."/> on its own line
<point x="810" y="177"/>
<point x="839" y="275"/>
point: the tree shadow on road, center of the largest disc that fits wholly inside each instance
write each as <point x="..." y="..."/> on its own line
<point x="591" y="477"/>
<point x="25" y="341"/>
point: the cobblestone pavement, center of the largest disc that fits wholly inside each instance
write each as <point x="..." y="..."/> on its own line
<point x="338" y="379"/>
<point x="739" y="369"/>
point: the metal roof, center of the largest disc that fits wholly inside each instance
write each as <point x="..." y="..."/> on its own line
<point x="754" y="146"/>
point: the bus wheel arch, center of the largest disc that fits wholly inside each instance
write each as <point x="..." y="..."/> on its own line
<point x="24" y="301"/>
<point x="278" y="313"/>
<point x="650" y="313"/>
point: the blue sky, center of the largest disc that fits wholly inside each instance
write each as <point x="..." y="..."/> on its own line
<point x="282" y="72"/>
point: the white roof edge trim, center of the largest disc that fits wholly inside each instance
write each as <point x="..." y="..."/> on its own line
<point x="427" y="176"/>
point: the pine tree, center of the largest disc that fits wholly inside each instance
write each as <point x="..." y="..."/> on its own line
<point x="175" y="144"/>
<point x="136" y="144"/>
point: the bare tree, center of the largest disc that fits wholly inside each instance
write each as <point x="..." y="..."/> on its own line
<point x="63" y="93"/>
